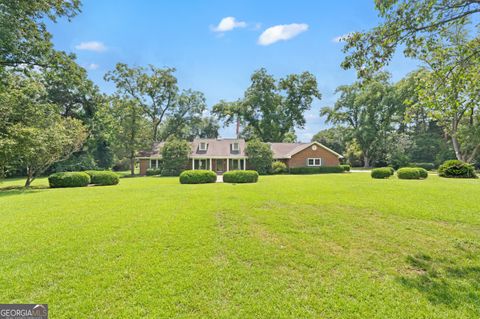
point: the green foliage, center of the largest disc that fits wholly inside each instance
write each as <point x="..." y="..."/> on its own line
<point x="175" y="156"/>
<point x="271" y="109"/>
<point x="198" y="177"/>
<point x="121" y="165"/>
<point x="76" y="163"/>
<point x="103" y="177"/>
<point x="425" y="166"/>
<point x="381" y="172"/>
<point x="316" y="170"/>
<point x="154" y="172"/>
<point x="456" y="169"/>
<point x="260" y="156"/>
<point x="247" y="176"/>
<point x="335" y="138"/>
<point x="346" y="168"/>
<point x="412" y="173"/>
<point x="279" y="167"/>
<point x="68" y="179"/>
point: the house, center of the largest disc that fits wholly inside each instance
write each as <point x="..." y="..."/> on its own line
<point x="222" y="155"/>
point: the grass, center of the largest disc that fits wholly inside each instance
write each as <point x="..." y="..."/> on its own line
<point x="324" y="246"/>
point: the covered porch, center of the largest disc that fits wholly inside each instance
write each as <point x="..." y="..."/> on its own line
<point x="219" y="165"/>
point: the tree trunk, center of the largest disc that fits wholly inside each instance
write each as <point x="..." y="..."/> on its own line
<point x="30" y="178"/>
<point x="132" y="164"/>
<point x="456" y="147"/>
<point x="366" y="161"/>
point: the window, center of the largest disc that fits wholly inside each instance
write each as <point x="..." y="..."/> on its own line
<point x="154" y="163"/>
<point x="314" y="161"/>
<point x="202" y="164"/>
<point x="235" y="147"/>
<point x="203" y="146"/>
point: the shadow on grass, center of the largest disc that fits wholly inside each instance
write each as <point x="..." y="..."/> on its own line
<point x="19" y="190"/>
<point x="445" y="282"/>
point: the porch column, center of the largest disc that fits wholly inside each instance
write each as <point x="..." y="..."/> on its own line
<point x="244" y="164"/>
<point x="193" y="163"/>
<point x="228" y="161"/>
<point x="211" y="168"/>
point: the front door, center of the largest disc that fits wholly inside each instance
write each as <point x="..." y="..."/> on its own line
<point x="220" y="165"/>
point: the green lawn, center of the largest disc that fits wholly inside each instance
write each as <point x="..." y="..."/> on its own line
<point x="325" y="246"/>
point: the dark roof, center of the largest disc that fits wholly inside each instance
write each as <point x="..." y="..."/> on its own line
<point x="155" y="151"/>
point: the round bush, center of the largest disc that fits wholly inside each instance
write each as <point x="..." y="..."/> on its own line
<point x="103" y="177"/>
<point x="346" y="168"/>
<point x="412" y="173"/>
<point x="68" y="179"/>
<point x="240" y="177"/>
<point x="198" y="177"/>
<point x="279" y="168"/>
<point x="153" y="172"/>
<point x="456" y="169"/>
<point x="381" y="172"/>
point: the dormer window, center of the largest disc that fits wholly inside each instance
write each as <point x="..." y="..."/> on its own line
<point x="203" y="146"/>
<point x="235" y="147"/>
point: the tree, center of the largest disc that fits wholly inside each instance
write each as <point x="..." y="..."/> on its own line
<point x="334" y="138"/>
<point x="366" y="109"/>
<point x="270" y="110"/>
<point x="32" y="134"/>
<point x="130" y="129"/>
<point x="450" y="91"/>
<point x="154" y="89"/>
<point x="260" y="156"/>
<point x="414" y="25"/>
<point x="187" y="120"/>
<point x="24" y="39"/>
<point x="175" y="156"/>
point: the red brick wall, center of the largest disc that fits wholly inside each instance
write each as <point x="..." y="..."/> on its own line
<point x="300" y="159"/>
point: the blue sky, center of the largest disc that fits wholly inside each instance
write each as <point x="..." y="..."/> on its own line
<point x="215" y="58"/>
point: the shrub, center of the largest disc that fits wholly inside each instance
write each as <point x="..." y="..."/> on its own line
<point x="381" y="172"/>
<point x="198" y="177"/>
<point x="103" y="177"/>
<point x="456" y="169"/>
<point x="153" y="172"/>
<point x="121" y="165"/>
<point x="392" y="170"/>
<point x="412" y="173"/>
<point x="346" y="168"/>
<point x="279" y="168"/>
<point x="69" y="179"/>
<point x="426" y="166"/>
<point x="240" y="177"/>
<point x="260" y="156"/>
<point x="175" y="156"/>
<point x="316" y="170"/>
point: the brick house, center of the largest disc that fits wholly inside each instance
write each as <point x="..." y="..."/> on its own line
<point x="222" y="155"/>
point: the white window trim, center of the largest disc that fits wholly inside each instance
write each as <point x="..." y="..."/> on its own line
<point x="314" y="160"/>
<point x="203" y="148"/>
<point x="235" y="147"/>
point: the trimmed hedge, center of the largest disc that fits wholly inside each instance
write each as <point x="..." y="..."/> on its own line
<point x="240" y="177"/>
<point x="456" y="169"/>
<point x="154" y="171"/>
<point x="412" y="173"/>
<point x="426" y="166"/>
<point x="197" y="177"/>
<point x="346" y="168"/>
<point x="382" y="172"/>
<point x="103" y="177"/>
<point x="68" y="179"/>
<point x="317" y="170"/>
<point x="279" y="168"/>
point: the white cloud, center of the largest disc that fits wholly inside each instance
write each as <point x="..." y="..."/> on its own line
<point x="95" y="46"/>
<point x="281" y="32"/>
<point x="342" y="38"/>
<point x="228" y="24"/>
<point x="93" y="66"/>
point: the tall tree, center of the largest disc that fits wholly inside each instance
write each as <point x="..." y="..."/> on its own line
<point x="154" y="89"/>
<point x="366" y="109"/>
<point x="413" y="25"/>
<point x="271" y="109"/>
<point x="24" y="39"/>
